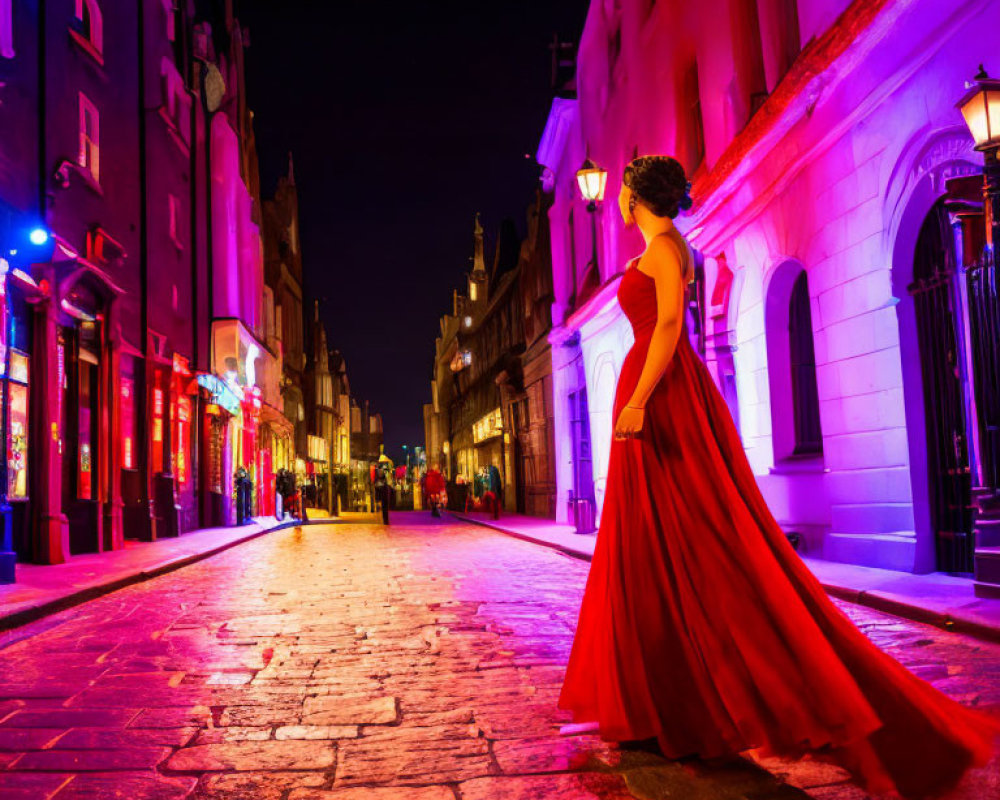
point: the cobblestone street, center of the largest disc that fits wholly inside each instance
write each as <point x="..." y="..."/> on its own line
<point x="353" y="662"/>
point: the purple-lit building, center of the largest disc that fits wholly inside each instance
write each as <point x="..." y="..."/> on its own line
<point x="140" y="358"/>
<point x="837" y="218"/>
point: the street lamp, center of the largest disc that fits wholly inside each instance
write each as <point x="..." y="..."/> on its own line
<point x="592" y="180"/>
<point x="981" y="108"/>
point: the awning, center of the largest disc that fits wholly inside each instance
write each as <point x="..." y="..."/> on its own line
<point x="269" y="415"/>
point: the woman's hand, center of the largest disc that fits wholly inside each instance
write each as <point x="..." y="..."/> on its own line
<point x="629" y="424"/>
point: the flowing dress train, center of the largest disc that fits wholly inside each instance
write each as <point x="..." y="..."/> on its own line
<point x="700" y="625"/>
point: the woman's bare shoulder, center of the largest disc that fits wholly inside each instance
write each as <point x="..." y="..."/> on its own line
<point x="663" y="257"/>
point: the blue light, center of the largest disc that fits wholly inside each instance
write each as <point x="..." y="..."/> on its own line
<point x="38" y="236"/>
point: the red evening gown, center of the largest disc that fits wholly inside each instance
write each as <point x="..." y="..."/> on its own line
<point x="700" y="625"/>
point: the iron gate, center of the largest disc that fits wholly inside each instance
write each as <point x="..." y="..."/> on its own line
<point x="984" y="327"/>
<point x="949" y="475"/>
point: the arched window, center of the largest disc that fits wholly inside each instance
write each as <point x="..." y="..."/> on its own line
<point x="90" y="24"/>
<point x="791" y="365"/>
<point x="805" y="395"/>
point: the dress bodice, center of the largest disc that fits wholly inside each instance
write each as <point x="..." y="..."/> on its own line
<point x="637" y="298"/>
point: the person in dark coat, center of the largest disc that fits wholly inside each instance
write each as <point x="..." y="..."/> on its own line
<point x="383" y="489"/>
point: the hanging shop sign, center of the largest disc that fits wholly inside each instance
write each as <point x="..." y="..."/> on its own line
<point x="489" y="426"/>
<point x="222" y="395"/>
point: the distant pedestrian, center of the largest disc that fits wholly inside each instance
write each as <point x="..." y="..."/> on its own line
<point x="496" y="489"/>
<point x="433" y="488"/>
<point x="383" y="491"/>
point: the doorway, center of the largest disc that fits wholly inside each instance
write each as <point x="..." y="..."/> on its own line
<point x="949" y="476"/>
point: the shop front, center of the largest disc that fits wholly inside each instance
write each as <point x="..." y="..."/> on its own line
<point x="275" y="453"/>
<point x="87" y="374"/>
<point x="218" y="407"/>
<point x="318" y="468"/>
<point x="251" y="372"/>
<point x="488" y="444"/>
<point x="16" y="294"/>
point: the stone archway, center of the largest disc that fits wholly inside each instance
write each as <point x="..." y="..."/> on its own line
<point x="918" y="182"/>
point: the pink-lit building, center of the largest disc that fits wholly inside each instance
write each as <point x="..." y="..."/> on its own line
<point x="837" y="218"/>
<point x="245" y="341"/>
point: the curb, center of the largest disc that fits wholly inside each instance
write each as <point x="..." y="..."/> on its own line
<point x="524" y="537"/>
<point x="25" y="616"/>
<point x="953" y="622"/>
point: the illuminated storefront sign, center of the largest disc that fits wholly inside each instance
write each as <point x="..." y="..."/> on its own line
<point x="222" y="395"/>
<point x="489" y="426"/>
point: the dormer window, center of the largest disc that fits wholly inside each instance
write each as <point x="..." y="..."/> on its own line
<point x="88" y="30"/>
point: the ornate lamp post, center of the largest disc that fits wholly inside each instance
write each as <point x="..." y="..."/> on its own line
<point x="981" y="108"/>
<point x="592" y="181"/>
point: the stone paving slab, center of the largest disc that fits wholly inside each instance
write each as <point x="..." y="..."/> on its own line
<point x="353" y="661"/>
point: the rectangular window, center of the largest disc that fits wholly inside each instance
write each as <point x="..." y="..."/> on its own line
<point x="170" y="10"/>
<point x="128" y="423"/>
<point x="183" y="440"/>
<point x="85" y="459"/>
<point x="157" y="426"/>
<point x="216" y="448"/>
<point x="89" y="158"/>
<point x="695" y="138"/>
<point x="7" y="28"/>
<point x="174" y="210"/>
<point x="176" y="109"/>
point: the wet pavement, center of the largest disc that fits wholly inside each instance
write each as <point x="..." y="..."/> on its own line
<point x="352" y="661"/>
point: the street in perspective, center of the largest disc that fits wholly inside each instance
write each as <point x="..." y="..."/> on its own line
<point x="522" y="400"/>
<point x="347" y="660"/>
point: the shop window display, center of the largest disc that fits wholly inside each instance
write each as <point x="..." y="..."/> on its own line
<point x="17" y="442"/>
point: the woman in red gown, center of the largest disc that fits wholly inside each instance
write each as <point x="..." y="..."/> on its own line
<point x="700" y="626"/>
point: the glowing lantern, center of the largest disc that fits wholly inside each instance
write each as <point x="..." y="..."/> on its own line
<point x="592" y="181"/>
<point x="981" y="108"/>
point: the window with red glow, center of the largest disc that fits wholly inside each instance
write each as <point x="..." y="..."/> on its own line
<point x="183" y="439"/>
<point x="157" y="426"/>
<point x="89" y="157"/>
<point x="91" y="22"/>
<point x="85" y="460"/>
<point x="128" y="423"/>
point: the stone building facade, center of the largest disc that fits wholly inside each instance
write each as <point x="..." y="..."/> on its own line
<point x="827" y="158"/>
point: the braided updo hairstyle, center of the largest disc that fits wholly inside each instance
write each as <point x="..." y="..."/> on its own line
<point x="659" y="183"/>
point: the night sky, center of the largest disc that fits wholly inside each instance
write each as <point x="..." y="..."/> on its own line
<point x="404" y="120"/>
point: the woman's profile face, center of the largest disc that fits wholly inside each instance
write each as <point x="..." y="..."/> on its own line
<point x="623" y="200"/>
